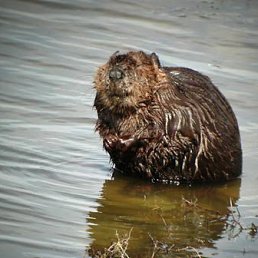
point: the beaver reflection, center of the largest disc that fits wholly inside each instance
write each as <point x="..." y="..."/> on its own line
<point x="165" y="123"/>
<point x="159" y="211"/>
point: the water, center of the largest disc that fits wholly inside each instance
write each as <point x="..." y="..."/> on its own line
<point x="57" y="196"/>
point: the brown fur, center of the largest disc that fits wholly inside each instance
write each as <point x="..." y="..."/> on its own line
<point x="166" y="124"/>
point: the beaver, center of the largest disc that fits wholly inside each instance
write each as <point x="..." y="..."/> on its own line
<point x="166" y="124"/>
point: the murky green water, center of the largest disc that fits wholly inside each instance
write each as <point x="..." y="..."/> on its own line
<point x="57" y="197"/>
<point x="163" y="213"/>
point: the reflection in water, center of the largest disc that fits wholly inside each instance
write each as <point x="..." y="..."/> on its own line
<point x="160" y="212"/>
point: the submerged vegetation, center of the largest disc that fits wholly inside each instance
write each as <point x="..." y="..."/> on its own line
<point x="172" y="246"/>
<point x="117" y="248"/>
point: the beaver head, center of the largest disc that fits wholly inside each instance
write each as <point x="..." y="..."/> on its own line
<point x="123" y="83"/>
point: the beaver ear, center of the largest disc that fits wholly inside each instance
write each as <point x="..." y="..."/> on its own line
<point x="155" y="61"/>
<point x="115" y="54"/>
<point x="114" y="58"/>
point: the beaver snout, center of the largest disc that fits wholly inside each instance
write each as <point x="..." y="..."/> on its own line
<point x="116" y="74"/>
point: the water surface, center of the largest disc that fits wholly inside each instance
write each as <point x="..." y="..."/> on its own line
<point x="57" y="195"/>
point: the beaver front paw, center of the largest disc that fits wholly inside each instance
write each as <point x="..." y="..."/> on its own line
<point x="114" y="143"/>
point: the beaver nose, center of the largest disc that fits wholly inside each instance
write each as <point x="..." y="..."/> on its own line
<point x="116" y="74"/>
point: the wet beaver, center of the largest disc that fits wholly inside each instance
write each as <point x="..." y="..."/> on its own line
<point x="168" y="124"/>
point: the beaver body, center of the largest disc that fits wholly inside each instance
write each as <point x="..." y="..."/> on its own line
<point x="168" y="124"/>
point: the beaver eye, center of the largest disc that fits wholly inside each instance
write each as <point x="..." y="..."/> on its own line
<point x="116" y="74"/>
